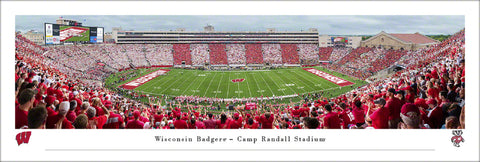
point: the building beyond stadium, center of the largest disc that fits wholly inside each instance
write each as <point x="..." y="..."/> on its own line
<point x="209" y="36"/>
<point x="399" y="41"/>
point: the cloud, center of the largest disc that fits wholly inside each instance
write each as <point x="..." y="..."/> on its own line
<point x="326" y="24"/>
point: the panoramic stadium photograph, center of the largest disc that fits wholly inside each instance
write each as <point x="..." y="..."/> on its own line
<point x="239" y="72"/>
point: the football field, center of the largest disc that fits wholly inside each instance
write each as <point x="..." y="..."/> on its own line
<point x="239" y="84"/>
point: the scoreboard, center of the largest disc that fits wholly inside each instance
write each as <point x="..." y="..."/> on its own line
<point x="59" y="34"/>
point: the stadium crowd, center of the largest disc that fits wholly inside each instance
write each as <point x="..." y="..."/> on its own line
<point x="236" y="54"/>
<point x="200" y="54"/>
<point x="338" y="53"/>
<point x="253" y="53"/>
<point x="289" y="54"/>
<point x="308" y="54"/>
<point x="324" y="53"/>
<point x="429" y="94"/>
<point x="181" y="53"/>
<point x="136" y="54"/>
<point x="159" y="54"/>
<point x="218" y="55"/>
<point x="272" y="53"/>
<point x="386" y="60"/>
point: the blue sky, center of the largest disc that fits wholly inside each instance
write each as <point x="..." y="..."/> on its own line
<point x="326" y="24"/>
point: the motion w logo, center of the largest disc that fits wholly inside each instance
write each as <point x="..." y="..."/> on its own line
<point x="23" y="137"/>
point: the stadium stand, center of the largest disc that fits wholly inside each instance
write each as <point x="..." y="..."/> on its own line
<point x="200" y="54"/>
<point x="119" y="56"/>
<point x="181" y="52"/>
<point x="308" y="54"/>
<point x="272" y="53"/>
<point x="136" y="54"/>
<point x="236" y="54"/>
<point x="289" y="54"/>
<point x="218" y="55"/>
<point x="354" y="54"/>
<point x="338" y="53"/>
<point x="324" y="53"/>
<point x="386" y="60"/>
<point x="429" y="94"/>
<point x="253" y="53"/>
<point x="159" y="54"/>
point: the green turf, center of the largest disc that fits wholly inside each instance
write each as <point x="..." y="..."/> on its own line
<point x="218" y="84"/>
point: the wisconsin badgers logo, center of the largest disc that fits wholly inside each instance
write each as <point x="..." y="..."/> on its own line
<point x="457" y="138"/>
<point x="237" y="80"/>
<point x="23" y="137"/>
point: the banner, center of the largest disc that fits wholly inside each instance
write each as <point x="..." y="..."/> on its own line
<point x="48" y="30"/>
<point x="56" y="39"/>
<point x="99" y="35"/>
<point x="48" y="40"/>
<point x="93" y="39"/>
<point x="56" y="30"/>
<point x="93" y="31"/>
<point x="250" y="106"/>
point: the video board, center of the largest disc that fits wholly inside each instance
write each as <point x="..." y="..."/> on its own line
<point x="59" y="34"/>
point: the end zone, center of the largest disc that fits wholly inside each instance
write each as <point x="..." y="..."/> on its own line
<point x="331" y="78"/>
<point x="144" y="79"/>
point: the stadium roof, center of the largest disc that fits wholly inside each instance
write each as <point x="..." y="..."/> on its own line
<point x="416" y="38"/>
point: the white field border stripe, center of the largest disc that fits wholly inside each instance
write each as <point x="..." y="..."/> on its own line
<point x="243" y="71"/>
<point x="264" y="98"/>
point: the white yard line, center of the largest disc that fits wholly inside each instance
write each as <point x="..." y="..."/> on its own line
<point x="305" y="79"/>
<point x="258" y="86"/>
<point x="276" y="83"/>
<point x="250" y="92"/>
<point x="209" y="84"/>
<point x="267" y="84"/>
<point x="172" y="83"/>
<point x="195" y="90"/>
<point x="286" y="83"/>
<point x="190" y="83"/>
<point x="152" y="84"/>
<point x="228" y="85"/>
<point x="238" y="83"/>
<point x="220" y="81"/>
